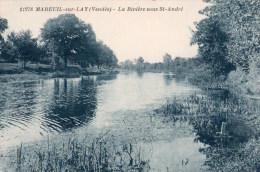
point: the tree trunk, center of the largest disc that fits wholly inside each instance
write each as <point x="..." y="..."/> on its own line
<point x="65" y="62"/>
<point x="24" y="64"/>
<point x="37" y="65"/>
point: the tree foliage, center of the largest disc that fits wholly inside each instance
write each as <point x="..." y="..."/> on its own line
<point x="167" y="59"/>
<point x="127" y="64"/>
<point x="22" y="47"/>
<point x="68" y="37"/>
<point x="229" y="42"/>
<point x="3" y="27"/>
<point x="140" y="64"/>
<point x="64" y="39"/>
<point x="241" y="21"/>
<point x="105" y="56"/>
<point x="212" y="42"/>
<point x="231" y="30"/>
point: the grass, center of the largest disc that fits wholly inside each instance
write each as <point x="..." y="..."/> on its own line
<point x="13" y="72"/>
<point x="15" y="68"/>
<point x="239" y="150"/>
<point x="205" y="114"/>
<point x="76" y="155"/>
<point x="246" y="158"/>
<point x="21" y="77"/>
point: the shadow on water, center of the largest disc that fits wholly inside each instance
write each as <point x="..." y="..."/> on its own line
<point x="222" y="116"/>
<point x="167" y="79"/>
<point x="57" y="105"/>
<point x="72" y="103"/>
<point x="140" y="74"/>
<point x="106" y="77"/>
<point x="32" y="109"/>
<point x="220" y="120"/>
<point x="226" y="129"/>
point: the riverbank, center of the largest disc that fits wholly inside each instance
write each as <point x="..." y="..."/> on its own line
<point x="76" y="154"/>
<point x="108" y="149"/>
<point x="189" y="123"/>
<point x="228" y="124"/>
<point x="10" y="72"/>
<point x="126" y="122"/>
<point x="236" y="81"/>
<point x="236" y="149"/>
<point x="233" y="103"/>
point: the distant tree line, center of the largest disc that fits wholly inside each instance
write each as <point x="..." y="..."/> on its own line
<point x="228" y="40"/>
<point x="63" y="40"/>
<point x="140" y="65"/>
<point x="177" y="65"/>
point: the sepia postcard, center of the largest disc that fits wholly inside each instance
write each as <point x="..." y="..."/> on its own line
<point x="129" y="85"/>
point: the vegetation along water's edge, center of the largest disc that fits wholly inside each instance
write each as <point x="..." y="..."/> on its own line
<point x="229" y="125"/>
<point x="14" y="72"/>
<point x="224" y="116"/>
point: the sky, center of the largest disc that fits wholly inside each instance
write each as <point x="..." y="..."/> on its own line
<point x="129" y="34"/>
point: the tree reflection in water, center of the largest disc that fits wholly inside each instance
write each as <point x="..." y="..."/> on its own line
<point x="226" y="109"/>
<point x="222" y="121"/>
<point x="73" y="102"/>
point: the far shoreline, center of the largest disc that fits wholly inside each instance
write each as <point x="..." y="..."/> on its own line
<point x="13" y="72"/>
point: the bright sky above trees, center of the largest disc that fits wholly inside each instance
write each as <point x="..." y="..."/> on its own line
<point x="129" y="34"/>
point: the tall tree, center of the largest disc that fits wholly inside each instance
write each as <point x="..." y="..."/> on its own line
<point x="3" y="27"/>
<point x="140" y="63"/>
<point x="240" y="20"/>
<point x="167" y="60"/>
<point x="70" y="37"/>
<point x="105" y="56"/>
<point x="212" y="42"/>
<point x="24" y="47"/>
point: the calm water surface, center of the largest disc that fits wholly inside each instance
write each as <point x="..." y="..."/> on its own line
<point x="31" y="110"/>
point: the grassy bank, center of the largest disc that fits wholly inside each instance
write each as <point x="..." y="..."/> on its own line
<point x="15" y="68"/>
<point x="235" y="148"/>
<point x="21" y="77"/>
<point x="11" y="72"/>
<point x="79" y="155"/>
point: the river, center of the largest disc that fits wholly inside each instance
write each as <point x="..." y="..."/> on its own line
<point x="121" y="103"/>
